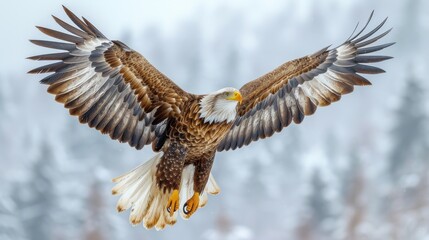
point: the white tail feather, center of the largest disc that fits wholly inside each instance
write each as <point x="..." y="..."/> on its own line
<point x="141" y="193"/>
<point x="212" y="186"/>
<point x="187" y="187"/>
<point x="147" y="202"/>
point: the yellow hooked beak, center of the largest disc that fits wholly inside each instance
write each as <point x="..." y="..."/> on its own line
<point x="236" y="96"/>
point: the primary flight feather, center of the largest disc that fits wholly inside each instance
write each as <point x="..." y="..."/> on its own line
<point x="115" y="90"/>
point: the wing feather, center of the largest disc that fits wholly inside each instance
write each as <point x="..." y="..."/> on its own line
<point x="106" y="84"/>
<point x="295" y="89"/>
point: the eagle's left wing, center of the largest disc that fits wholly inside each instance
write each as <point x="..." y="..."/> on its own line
<point x="109" y="86"/>
<point x="296" y="88"/>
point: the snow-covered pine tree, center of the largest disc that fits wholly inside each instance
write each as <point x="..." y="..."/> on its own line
<point x="95" y="217"/>
<point x="410" y="149"/>
<point x="318" y="206"/>
<point x="409" y="165"/>
<point x="35" y="199"/>
<point x="353" y="189"/>
<point x="317" y="203"/>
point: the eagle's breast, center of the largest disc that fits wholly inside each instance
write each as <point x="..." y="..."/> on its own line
<point x="193" y="131"/>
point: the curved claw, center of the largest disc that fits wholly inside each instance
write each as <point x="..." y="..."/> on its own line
<point x="185" y="206"/>
<point x="191" y="206"/>
<point x="173" y="202"/>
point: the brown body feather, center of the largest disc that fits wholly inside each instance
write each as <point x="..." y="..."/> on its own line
<point x="190" y="141"/>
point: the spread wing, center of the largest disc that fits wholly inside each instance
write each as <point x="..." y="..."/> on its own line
<point x="297" y="88"/>
<point x="108" y="85"/>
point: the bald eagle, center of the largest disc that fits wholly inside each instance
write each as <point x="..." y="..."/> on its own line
<point x="115" y="90"/>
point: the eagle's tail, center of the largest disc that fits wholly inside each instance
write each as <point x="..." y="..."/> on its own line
<point x="147" y="201"/>
<point x="141" y="194"/>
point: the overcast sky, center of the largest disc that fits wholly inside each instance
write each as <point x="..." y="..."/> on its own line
<point x="115" y="18"/>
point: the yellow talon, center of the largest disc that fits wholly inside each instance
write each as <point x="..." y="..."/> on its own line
<point x="191" y="205"/>
<point x="173" y="202"/>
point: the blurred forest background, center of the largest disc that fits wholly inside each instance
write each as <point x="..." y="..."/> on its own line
<point x="358" y="169"/>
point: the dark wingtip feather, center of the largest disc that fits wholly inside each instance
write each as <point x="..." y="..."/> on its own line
<point x="50" y="56"/>
<point x="371" y="59"/>
<point x="60" y="35"/>
<point x="66" y="9"/>
<point x="94" y="29"/>
<point x="370" y="33"/>
<point x="372" y="40"/>
<point x="54" y="45"/>
<point x="78" y="22"/>
<point x="364" y="27"/>
<point x="367" y="69"/>
<point x="47" y="68"/>
<point x="354" y="30"/>
<point x="71" y="29"/>
<point x="43" y="82"/>
<point x="374" y="48"/>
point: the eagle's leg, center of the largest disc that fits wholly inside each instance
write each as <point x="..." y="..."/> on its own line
<point x="201" y="176"/>
<point x="173" y="202"/>
<point x="169" y="174"/>
<point x="192" y="204"/>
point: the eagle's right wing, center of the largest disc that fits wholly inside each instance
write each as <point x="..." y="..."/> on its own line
<point x="298" y="87"/>
<point x="108" y="85"/>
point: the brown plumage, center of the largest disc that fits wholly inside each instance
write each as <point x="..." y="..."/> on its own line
<point x="114" y="89"/>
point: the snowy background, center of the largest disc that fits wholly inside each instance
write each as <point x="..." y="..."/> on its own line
<point x="358" y="169"/>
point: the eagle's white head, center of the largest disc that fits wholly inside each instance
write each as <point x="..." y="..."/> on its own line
<point x="220" y="106"/>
